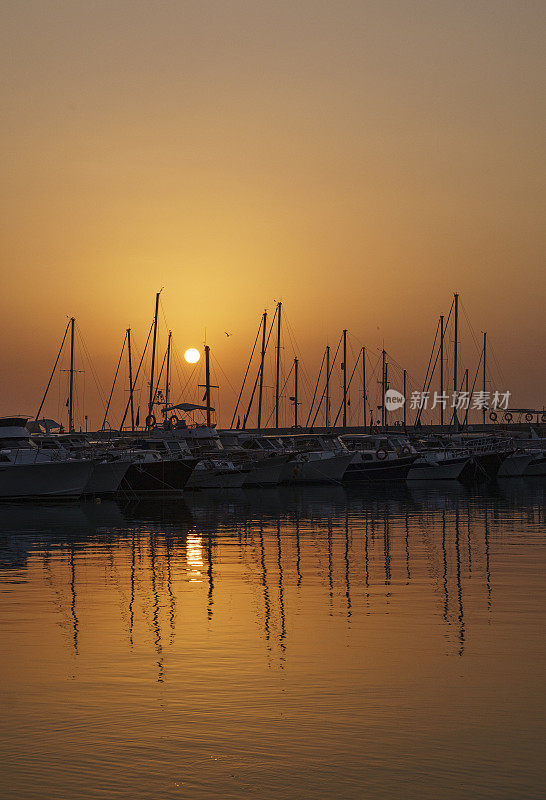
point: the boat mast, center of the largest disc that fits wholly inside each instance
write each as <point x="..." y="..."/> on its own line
<point x="441" y="370"/>
<point x="386" y="387"/>
<point x="130" y="379"/>
<point x="405" y="403"/>
<point x="295" y="393"/>
<point x="279" y="306"/>
<point x="455" y="356"/>
<point x="484" y="354"/>
<point x="245" y="377"/>
<point x="168" y="374"/>
<point x="327" y="386"/>
<point x="344" y="378"/>
<point x="207" y="382"/>
<point x="383" y="354"/>
<point x="113" y="383"/>
<point x="71" y="395"/>
<point x="262" y="362"/>
<point x="151" y="400"/>
<point x="364" y="382"/>
<point x="466" y="390"/>
<point x="53" y="370"/>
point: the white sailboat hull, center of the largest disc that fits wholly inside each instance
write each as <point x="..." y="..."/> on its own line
<point x="320" y="470"/>
<point x="106" y="477"/>
<point x="267" y="472"/>
<point x="50" y="479"/>
<point x="216" y="479"/>
<point x="515" y="465"/>
<point x="448" y="469"/>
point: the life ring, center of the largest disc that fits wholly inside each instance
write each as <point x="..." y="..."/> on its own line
<point x="508" y="416"/>
<point x="406" y="449"/>
<point x="543" y="418"/>
<point x="151" y="421"/>
<point x="528" y="417"/>
<point x="381" y="454"/>
<point x="493" y="416"/>
<point x="173" y="422"/>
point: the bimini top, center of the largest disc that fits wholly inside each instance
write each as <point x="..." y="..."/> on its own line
<point x="14" y="422"/>
<point x="14" y="428"/>
<point x="188" y="407"/>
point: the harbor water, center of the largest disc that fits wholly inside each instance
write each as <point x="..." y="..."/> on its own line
<point x="382" y="642"/>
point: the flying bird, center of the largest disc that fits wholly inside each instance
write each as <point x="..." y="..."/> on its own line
<point x="227" y="334"/>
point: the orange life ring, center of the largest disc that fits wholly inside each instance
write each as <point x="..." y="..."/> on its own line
<point x="151" y="421"/>
<point x="406" y="449"/>
<point x="379" y="451"/>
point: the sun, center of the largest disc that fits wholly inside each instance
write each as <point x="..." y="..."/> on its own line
<point x="192" y="355"/>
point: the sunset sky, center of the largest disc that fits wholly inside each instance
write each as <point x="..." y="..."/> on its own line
<point x="359" y="161"/>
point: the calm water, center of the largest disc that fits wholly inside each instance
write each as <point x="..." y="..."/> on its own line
<point x="283" y="644"/>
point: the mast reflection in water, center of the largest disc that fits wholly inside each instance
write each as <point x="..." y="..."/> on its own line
<point x="373" y="643"/>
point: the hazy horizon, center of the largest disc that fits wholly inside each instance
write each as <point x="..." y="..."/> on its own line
<point x="359" y="161"/>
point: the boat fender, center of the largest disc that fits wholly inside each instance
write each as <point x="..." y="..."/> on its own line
<point x="508" y="416"/>
<point x="151" y="421"/>
<point x="528" y="417"/>
<point x="493" y="416"/>
<point x="381" y="454"/>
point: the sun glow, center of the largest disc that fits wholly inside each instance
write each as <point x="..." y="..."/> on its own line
<point x="192" y="355"/>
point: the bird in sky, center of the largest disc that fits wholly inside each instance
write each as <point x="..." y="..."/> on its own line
<point x="227" y="334"/>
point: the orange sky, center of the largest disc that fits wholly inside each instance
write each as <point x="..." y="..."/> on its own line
<point x="358" y="160"/>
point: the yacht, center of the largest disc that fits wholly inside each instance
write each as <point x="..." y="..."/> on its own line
<point x="108" y="470"/>
<point x="377" y="458"/>
<point x="29" y="472"/>
<point x="262" y="459"/>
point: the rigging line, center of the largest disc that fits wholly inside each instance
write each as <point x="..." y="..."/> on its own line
<point x="399" y="367"/>
<point x="469" y="325"/>
<point x="418" y="417"/>
<point x="53" y="370"/>
<point x="217" y="363"/>
<point x="131" y="393"/>
<point x="280" y="394"/>
<point x="162" y="307"/>
<point x="259" y="368"/>
<point x="246" y="373"/>
<point x="316" y="388"/>
<point x="473" y="385"/>
<point x="348" y="387"/>
<point x="459" y="391"/>
<point x="431" y="353"/>
<point x="492" y="351"/>
<point x="329" y="376"/>
<point x="91" y="364"/>
<point x="477" y="345"/>
<point x="297" y="354"/>
<point x="177" y="361"/>
<point x="159" y="378"/>
<point x="114" y="382"/>
<point x="297" y="351"/>
<point x="190" y="378"/>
